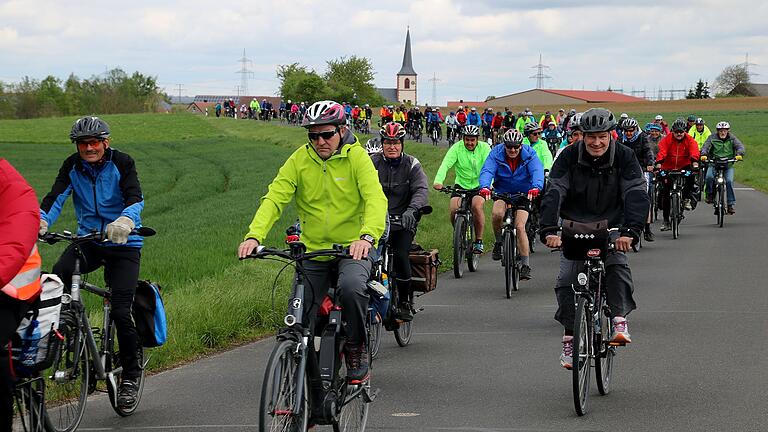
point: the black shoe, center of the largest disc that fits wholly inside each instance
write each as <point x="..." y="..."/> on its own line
<point x="357" y="363"/>
<point x="404" y="312"/>
<point x="709" y="200"/>
<point x="496" y="255"/>
<point x="648" y="236"/>
<point x="129" y="391"/>
<point x="666" y="226"/>
<point x="731" y="210"/>
<point x="525" y="272"/>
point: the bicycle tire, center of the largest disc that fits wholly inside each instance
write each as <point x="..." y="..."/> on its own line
<point x="374" y="341"/>
<point x="404" y="333"/>
<point x="113" y="363"/>
<point x="473" y="259"/>
<point x="276" y="403"/>
<point x="604" y="354"/>
<point x="72" y="361"/>
<point x="353" y="411"/>
<point x="507" y="261"/>
<point x="675" y="215"/>
<point x="515" y="263"/>
<point x="582" y="350"/>
<point x="459" y="244"/>
<point x="721" y="204"/>
<point x="30" y="405"/>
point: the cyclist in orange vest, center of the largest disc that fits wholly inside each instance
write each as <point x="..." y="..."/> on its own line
<point x="19" y="270"/>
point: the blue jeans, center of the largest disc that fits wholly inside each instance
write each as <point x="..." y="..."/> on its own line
<point x="710" y="179"/>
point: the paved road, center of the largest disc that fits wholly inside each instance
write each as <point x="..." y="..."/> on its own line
<point x="480" y="362"/>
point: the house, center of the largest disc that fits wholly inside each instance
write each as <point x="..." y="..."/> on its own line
<point x="750" y="89"/>
<point x="560" y="97"/>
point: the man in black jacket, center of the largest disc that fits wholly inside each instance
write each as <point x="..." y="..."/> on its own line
<point x="405" y="185"/>
<point x="591" y="180"/>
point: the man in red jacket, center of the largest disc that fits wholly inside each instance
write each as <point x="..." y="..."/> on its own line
<point x="677" y="151"/>
<point x="19" y="270"/>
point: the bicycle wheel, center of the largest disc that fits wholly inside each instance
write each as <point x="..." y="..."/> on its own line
<point x="30" y="405"/>
<point x="374" y="338"/>
<point x="68" y="390"/>
<point x="507" y="261"/>
<point x="721" y="204"/>
<point x="582" y="350"/>
<point x="459" y="245"/>
<point x="279" y="392"/>
<point x="515" y="263"/>
<point x="113" y="363"/>
<point x="353" y="408"/>
<point x="604" y="354"/>
<point x="404" y="333"/>
<point x="675" y="215"/>
<point x="473" y="259"/>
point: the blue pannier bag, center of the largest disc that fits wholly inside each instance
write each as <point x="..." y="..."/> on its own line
<point x="380" y="297"/>
<point x="149" y="314"/>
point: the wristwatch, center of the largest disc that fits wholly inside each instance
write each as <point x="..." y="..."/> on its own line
<point x="369" y="238"/>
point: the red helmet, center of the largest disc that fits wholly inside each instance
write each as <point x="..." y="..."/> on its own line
<point x="392" y="131"/>
<point x="324" y="113"/>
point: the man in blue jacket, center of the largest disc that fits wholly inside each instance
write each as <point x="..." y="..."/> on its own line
<point x="107" y="197"/>
<point x="513" y="168"/>
<point x="474" y="118"/>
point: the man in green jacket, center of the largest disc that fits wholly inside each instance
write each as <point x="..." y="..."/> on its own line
<point x="467" y="157"/>
<point x="532" y="132"/>
<point x="700" y="132"/>
<point x="339" y="200"/>
<point x="723" y="145"/>
<point x="255" y="109"/>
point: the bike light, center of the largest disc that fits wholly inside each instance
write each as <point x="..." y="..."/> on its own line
<point x="720" y="180"/>
<point x="289" y="320"/>
<point x="582" y="279"/>
<point x="508" y="221"/>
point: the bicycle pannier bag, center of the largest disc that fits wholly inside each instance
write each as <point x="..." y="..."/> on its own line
<point x="149" y="314"/>
<point x="424" y="264"/>
<point x="37" y="339"/>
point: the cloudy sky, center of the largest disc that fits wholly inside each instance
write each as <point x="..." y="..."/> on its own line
<point x="476" y="48"/>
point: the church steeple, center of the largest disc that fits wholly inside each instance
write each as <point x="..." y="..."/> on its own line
<point x="407" y="68"/>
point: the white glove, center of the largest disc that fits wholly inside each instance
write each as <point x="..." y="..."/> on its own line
<point x="43" y="227"/>
<point x="118" y="231"/>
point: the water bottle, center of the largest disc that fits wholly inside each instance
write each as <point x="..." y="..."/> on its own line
<point x="385" y="281"/>
<point x="29" y="346"/>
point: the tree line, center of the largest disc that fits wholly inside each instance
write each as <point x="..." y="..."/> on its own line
<point x="110" y="93"/>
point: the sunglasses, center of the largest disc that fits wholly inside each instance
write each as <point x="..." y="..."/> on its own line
<point x="326" y="135"/>
<point x="630" y="130"/>
<point x="512" y="146"/>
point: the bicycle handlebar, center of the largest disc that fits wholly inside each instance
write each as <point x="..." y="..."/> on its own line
<point x="54" y="237"/>
<point x="262" y="252"/>
<point x="507" y="198"/>
<point x="452" y="189"/>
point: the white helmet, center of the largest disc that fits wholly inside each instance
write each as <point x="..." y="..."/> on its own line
<point x="289" y="101"/>
<point x="723" y="125"/>
<point x="373" y="146"/>
<point x="658" y="117"/>
<point x="471" y="130"/>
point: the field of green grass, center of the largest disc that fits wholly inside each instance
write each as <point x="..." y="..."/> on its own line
<point x="202" y="179"/>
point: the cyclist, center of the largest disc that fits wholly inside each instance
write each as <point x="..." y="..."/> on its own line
<point x="19" y="270"/>
<point x="554" y="134"/>
<point x="496" y="124"/>
<point x="700" y="132"/>
<point x="398" y="116"/>
<point x="653" y="134"/>
<point x="677" y="151"/>
<point x="451" y="125"/>
<point x="366" y="115"/>
<point x="433" y="121"/>
<point x="405" y="185"/>
<point x="473" y="118"/>
<point x="689" y="123"/>
<point x="513" y="168"/>
<point x="635" y="139"/>
<point x="560" y="119"/>
<point x="461" y="116"/>
<point x="532" y="133"/>
<point x="524" y="118"/>
<point x="487" y="122"/>
<point x="723" y="145"/>
<point x="386" y="114"/>
<point x="573" y="135"/>
<point x="355" y="113"/>
<point x="107" y="197"/>
<point x="659" y="120"/>
<point x="596" y="179"/>
<point x="255" y="108"/>
<point x="339" y="200"/>
<point x="567" y="123"/>
<point x="509" y="121"/>
<point x="546" y="119"/>
<point x="467" y="157"/>
<point x="415" y="116"/>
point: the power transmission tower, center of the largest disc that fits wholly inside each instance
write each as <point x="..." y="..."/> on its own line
<point x="747" y="64"/>
<point x="180" y="88"/>
<point x="434" y="81"/>
<point x="245" y="73"/>
<point x="540" y="76"/>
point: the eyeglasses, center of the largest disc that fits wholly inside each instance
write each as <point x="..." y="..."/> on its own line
<point x="326" y="135"/>
<point x="391" y="144"/>
<point x="534" y="133"/>
<point x="630" y="130"/>
<point x="678" y="132"/>
<point x="513" y="146"/>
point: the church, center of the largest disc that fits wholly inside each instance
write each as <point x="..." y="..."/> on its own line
<point x="405" y="92"/>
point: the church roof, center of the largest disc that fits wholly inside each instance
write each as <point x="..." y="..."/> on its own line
<point x="407" y="68"/>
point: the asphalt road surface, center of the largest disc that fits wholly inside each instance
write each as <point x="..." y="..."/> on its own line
<point x="480" y="362"/>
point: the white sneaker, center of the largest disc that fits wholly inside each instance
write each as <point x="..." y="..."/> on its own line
<point x="620" y="331"/>
<point x="566" y="357"/>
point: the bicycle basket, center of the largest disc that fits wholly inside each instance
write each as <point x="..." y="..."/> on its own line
<point x="582" y="239"/>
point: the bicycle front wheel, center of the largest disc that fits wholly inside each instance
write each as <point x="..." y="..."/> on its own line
<point x="375" y="331"/>
<point x="721" y="204"/>
<point x="582" y="351"/>
<point x="404" y="333"/>
<point x="280" y="408"/>
<point x="604" y="354"/>
<point x="114" y="363"/>
<point x="675" y="216"/>
<point x="67" y="391"/>
<point x="508" y="261"/>
<point x="459" y="246"/>
<point x="473" y="259"/>
<point x="30" y="405"/>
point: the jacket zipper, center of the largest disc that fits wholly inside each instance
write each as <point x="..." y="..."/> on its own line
<point x="96" y="202"/>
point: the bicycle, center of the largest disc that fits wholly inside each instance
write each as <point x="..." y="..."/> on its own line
<point x="510" y="254"/>
<point x="676" y="198"/>
<point x="553" y="143"/>
<point x="593" y="325"/>
<point x="451" y="133"/>
<point x="29" y="397"/>
<point x="653" y="192"/>
<point x="81" y="360"/>
<point x="464" y="234"/>
<point x="719" y="190"/>
<point x="286" y="401"/>
<point x="434" y="132"/>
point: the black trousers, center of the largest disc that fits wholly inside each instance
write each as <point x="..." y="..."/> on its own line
<point x="11" y="313"/>
<point x="121" y="275"/>
<point x="666" y="188"/>
<point x="400" y="242"/>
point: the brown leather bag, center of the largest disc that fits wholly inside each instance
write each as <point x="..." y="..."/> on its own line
<point x="424" y="264"/>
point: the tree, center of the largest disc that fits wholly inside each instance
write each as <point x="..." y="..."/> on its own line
<point x="731" y="77"/>
<point x="305" y="86"/>
<point x="7" y="108"/>
<point x="351" y="79"/>
<point x="700" y="92"/>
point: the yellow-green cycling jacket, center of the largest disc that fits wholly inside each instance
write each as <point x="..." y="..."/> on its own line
<point x="338" y="200"/>
<point x="700" y="137"/>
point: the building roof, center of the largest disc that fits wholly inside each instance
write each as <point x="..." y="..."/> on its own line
<point x="237" y="99"/>
<point x="390" y="94"/>
<point x="466" y="104"/>
<point x="750" y="89"/>
<point x="587" y="95"/>
<point x="199" y="107"/>
<point x="407" y="68"/>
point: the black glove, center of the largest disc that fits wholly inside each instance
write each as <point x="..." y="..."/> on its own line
<point x="409" y="220"/>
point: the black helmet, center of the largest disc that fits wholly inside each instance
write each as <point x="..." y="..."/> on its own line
<point x="597" y="120"/>
<point x="89" y="127"/>
<point x="679" y="125"/>
<point x="531" y="127"/>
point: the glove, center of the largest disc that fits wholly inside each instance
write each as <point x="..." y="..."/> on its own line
<point x="408" y="219"/>
<point x="43" y="227"/>
<point x="118" y="231"/>
<point x="485" y="193"/>
<point x="533" y="193"/>
<point x="703" y="158"/>
<point x="738" y="158"/>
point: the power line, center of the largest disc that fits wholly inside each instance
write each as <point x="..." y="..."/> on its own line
<point x="180" y="88"/>
<point x="747" y="64"/>
<point x="245" y="73"/>
<point x="540" y="76"/>
<point x="434" y="80"/>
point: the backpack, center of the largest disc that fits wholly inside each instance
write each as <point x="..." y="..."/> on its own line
<point x="149" y="314"/>
<point x="37" y="339"/>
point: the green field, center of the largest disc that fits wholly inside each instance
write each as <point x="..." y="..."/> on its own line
<point x="202" y="179"/>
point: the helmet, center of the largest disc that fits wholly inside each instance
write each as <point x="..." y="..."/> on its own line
<point x="652" y="127"/>
<point x="452" y="113"/>
<point x="699" y="121"/>
<point x="575" y="122"/>
<point x="513" y="137"/>
<point x="572" y="112"/>
<point x="692" y="118"/>
<point x="679" y="125"/>
<point x="373" y="146"/>
<point x="461" y="107"/>
<point x="357" y="106"/>
<point x="393" y="131"/>
<point x="289" y="101"/>
<point x="597" y="120"/>
<point x="471" y="130"/>
<point x="324" y="113"/>
<point x="624" y="116"/>
<point x="473" y="109"/>
<point x="658" y="117"/>
<point x="630" y="123"/>
<point x="723" y="125"/>
<point x="531" y="127"/>
<point x="367" y="106"/>
<point x="89" y="127"/>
